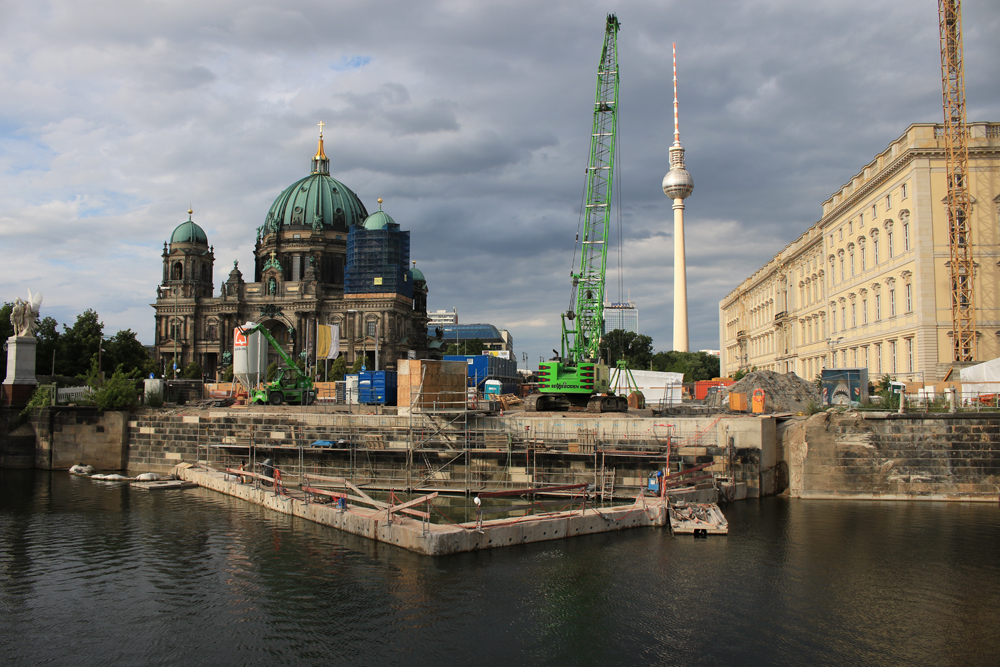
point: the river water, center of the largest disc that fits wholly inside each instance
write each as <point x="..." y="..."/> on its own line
<point x="101" y="574"/>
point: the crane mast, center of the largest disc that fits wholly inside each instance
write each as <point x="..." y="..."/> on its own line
<point x="959" y="203"/>
<point x="576" y="376"/>
<point x="582" y="337"/>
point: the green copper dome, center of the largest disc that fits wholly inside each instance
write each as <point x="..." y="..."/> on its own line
<point x="189" y="232"/>
<point x="417" y="274"/>
<point x="378" y="220"/>
<point x="318" y="201"/>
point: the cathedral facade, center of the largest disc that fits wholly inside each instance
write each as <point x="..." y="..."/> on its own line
<point x="319" y="258"/>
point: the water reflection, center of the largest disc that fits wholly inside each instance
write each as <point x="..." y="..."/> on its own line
<point x="103" y="574"/>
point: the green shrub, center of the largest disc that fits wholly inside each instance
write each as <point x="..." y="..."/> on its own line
<point x="154" y="400"/>
<point x="41" y="398"/>
<point x="117" y="392"/>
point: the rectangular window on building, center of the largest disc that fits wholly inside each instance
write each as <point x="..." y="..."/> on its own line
<point x="888" y="242"/>
<point x="861" y="249"/>
<point x="852" y="265"/>
<point x="878" y="307"/>
<point x="874" y="213"/>
<point x="841" y="268"/>
<point x="864" y="311"/>
<point x="843" y="317"/>
<point x="371" y="328"/>
<point x="892" y="303"/>
<point x="850" y="227"/>
<point x="875" y="251"/>
<point x="909" y="298"/>
<point x="878" y="358"/>
<point x="909" y="355"/>
<point x="888" y="202"/>
<point x="854" y="315"/>
<point x="854" y="357"/>
<point x="865" y="349"/>
<point x="902" y="192"/>
<point x="861" y="221"/>
<point x="843" y="358"/>
<point x="892" y="356"/>
<point x="906" y="236"/>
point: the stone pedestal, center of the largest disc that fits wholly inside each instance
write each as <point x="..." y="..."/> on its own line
<point x="20" y="382"/>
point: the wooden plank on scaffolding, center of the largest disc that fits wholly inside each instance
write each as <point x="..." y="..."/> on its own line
<point x="524" y="492"/>
<point x="411" y="503"/>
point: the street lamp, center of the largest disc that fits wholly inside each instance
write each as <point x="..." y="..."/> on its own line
<point x="833" y="350"/>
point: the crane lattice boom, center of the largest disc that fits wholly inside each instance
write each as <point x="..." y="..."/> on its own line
<point x="959" y="203"/>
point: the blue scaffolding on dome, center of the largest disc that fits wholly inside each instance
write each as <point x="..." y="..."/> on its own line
<point x="378" y="258"/>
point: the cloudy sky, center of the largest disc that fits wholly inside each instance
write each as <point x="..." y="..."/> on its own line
<point x="470" y="118"/>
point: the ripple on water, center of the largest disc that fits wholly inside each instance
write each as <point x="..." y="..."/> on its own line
<point x="102" y="574"/>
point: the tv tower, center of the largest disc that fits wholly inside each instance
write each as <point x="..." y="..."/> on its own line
<point x="677" y="185"/>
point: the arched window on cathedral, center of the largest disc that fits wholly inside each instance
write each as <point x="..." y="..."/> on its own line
<point x="177" y="273"/>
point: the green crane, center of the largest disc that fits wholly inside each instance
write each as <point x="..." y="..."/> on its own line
<point x="576" y="376"/>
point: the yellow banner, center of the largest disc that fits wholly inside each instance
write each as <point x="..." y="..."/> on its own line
<point x="327" y="341"/>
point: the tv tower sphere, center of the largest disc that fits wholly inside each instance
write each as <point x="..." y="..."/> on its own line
<point x="678" y="184"/>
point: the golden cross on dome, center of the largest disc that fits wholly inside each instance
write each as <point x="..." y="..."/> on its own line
<point x="321" y="126"/>
<point x="272" y="254"/>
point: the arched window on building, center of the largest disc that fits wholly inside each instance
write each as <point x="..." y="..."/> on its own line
<point x="177" y="272"/>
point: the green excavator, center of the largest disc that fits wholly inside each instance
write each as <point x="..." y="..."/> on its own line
<point x="576" y="377"/>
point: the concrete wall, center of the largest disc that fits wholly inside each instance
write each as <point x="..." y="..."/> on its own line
<point x="891" y="456"/>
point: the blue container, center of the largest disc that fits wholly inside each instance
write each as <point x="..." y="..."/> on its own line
<point x="483" y="367"/>
<point x="377" y="387"/>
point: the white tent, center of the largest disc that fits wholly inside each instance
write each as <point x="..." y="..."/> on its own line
<point x="982" y="378"/>
<point x="658" y="387"/>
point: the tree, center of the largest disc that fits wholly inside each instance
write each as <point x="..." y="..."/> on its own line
<point x="124" y="349"/>
<point x="635" y="349"/>
<point x="695" y="365"/>
<point x="474" y="346"/>
<point x="358" y="363"/>
<point x="79" y="344"/>
<point x="337" y="369"/>
<point x="48" y="343"/>
<point x="192" y="371"/>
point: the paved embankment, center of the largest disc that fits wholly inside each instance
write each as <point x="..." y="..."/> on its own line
<point x="434" y="539"/>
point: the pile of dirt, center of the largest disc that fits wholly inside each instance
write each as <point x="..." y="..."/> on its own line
<point x="783" y="392"/>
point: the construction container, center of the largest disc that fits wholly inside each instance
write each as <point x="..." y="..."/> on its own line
<point x="737" y="401"/>
<point x="843" y="386"/>
<point x="701" y="387"/>
<point x="429" y="384"/>
<point x="377" y="387"/>
<point x="350" y="389"/>
<point x="483" y="367"/>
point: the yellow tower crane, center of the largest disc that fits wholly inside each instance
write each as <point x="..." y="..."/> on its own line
<point x="959" y="203"/>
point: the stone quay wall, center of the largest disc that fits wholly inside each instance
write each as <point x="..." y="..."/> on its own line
<point x="891" y="456"/>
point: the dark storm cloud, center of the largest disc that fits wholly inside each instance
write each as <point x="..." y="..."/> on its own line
<point x="472" y="121"/>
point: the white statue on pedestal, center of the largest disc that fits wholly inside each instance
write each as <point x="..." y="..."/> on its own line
<point x="24" y="316"/>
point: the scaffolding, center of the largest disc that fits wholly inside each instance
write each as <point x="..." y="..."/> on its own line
<point x="378" y="261"/>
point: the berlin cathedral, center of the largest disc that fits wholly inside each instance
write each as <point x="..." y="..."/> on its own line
<point x="320" y="258"/>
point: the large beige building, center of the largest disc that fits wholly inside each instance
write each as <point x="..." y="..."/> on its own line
<point x="869" y="284"/>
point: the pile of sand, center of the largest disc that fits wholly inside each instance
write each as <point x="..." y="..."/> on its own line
<point x="783" y="392"/>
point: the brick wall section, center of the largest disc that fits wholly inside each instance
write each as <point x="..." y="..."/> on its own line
<point x="890" y="456"/>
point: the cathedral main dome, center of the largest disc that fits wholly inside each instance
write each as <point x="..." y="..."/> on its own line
<point x="318" y="201"/>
